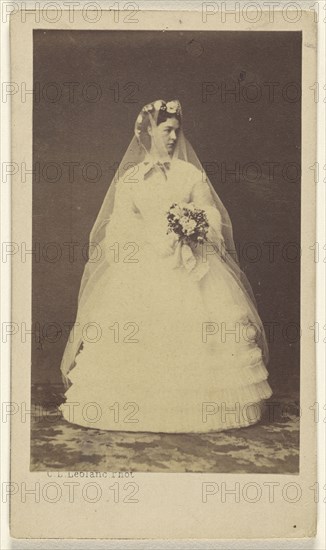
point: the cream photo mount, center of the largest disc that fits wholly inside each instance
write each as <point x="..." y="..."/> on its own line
<point x="157" y="505"/>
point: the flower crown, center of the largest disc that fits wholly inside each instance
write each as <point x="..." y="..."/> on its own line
<point x="172" y="107"/>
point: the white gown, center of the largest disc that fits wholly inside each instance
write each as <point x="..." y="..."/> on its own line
<point x="168" y="348"/>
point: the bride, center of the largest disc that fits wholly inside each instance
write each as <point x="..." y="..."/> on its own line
<point x="167" y="336"/>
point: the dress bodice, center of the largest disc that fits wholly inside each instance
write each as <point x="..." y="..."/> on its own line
<point x="153" y="195"/>
<point x="145" y="195"/>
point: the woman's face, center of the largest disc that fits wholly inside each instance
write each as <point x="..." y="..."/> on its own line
<point x="166" y="134"/>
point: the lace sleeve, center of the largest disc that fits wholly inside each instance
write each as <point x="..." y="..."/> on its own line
<point x="125" y="224"/>
<point x="201" y="196"/>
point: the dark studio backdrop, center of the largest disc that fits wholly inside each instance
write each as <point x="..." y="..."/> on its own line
<point x="256" y="132"/>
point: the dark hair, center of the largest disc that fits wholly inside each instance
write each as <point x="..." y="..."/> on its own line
<point x="163" y="116"/>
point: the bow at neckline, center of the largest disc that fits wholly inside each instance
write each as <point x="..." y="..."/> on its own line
<point x="162" y="165"/>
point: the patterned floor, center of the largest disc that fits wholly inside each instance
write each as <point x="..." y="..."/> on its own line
<point x="272" y="446"/>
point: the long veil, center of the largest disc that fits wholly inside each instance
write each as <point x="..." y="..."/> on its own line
<point x="96" y="267"/>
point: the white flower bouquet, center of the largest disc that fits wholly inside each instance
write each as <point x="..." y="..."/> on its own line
<point x="189" y="223"/>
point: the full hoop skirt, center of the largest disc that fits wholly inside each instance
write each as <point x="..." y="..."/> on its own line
<point x="166" y="351"/>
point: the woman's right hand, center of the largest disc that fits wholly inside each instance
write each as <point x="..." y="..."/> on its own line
<point x="165" y="245"/>
<point x="169" y="244"/>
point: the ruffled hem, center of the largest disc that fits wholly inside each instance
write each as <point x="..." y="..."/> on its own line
<point x="119" y="404"/>
<point x="208" y="416"/>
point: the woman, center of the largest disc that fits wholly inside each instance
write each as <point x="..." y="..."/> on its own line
<point x="167" y="336"/>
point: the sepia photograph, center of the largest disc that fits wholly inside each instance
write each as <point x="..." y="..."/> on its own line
<point x="164" y="252"/>
<point x="166" y="220"/>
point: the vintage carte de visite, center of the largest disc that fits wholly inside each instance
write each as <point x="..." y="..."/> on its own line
<point x="163" y="281"/>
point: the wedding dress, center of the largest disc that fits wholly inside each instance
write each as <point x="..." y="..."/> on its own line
<point x="168" y="337"/>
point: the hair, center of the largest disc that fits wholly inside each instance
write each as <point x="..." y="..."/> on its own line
<point x="163" y="116"/>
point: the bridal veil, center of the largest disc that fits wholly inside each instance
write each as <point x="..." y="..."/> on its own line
<point x="97" y="265"/>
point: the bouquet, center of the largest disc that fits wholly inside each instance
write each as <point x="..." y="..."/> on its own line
<point x="188" y="222"/>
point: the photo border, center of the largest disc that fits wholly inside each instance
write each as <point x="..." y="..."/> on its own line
<point x="174" y="498"/>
